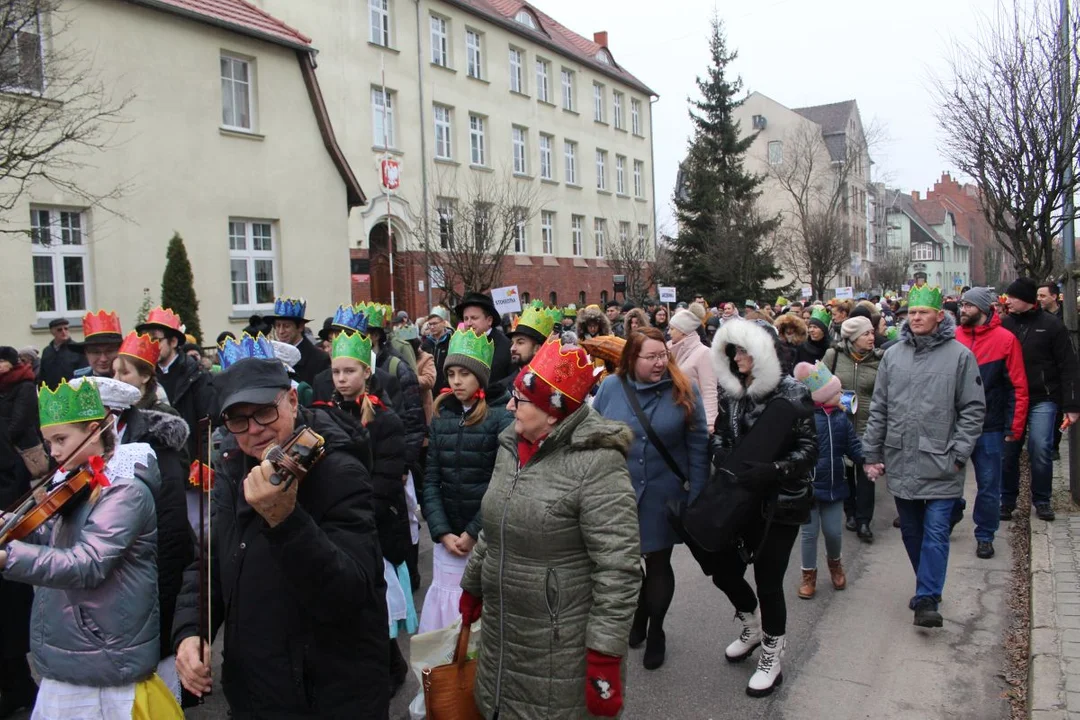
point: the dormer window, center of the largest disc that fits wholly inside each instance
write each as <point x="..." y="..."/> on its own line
<point x="603" y="56"/>
<point x="526" y="18"/>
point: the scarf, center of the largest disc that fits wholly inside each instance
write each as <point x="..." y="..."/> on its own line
<point x="19" y="373"/>
<point x="527" y="449"/>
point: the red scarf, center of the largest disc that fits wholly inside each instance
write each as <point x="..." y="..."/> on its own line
<point x="527" y="449"/>
<point x="19" y="373"/>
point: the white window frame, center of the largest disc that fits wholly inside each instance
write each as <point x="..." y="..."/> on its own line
<point x="547" y="165"/>
<point x="517" y="70"/>
<point x="547" y="231"/>
<point x="599" y="235"/>
<point x="440" y="41"/>
<point x="620" y="174"/>
<point x="543" y="80"/>
<point x="598" y="102"/>
<point x="444" y="210"/>
<point x="521" y="234"/>
<point x="519" y="140"/>
<point x="378" y="94"/>
<point x="601" y="169"/>
<point x="67" y="239"/>
<point x="577" y="234"/>
<point x="444" y="133"/>
<point x="477" y="145"/>
<point x="639" y="181"/>
<point x="251" y="257"/>
<point x="616" y="110"/>
<point x="379" y="17"/>
<point x="570" y="165"/>
<point x="624" y="234"/>
<point x="922" y="251"/>
<point x="567" y="80"/>
<point x="474" y="50"/>
<point x="642" y="232"/>
<point x="524" y="17"/>
<point x="776" y="152"/>
<point x="28" y="29"/>
<point x="236" y="91"/>
<point x="635" y="116"/>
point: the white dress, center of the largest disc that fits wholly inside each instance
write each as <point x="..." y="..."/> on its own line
<point x="441" y="602"/>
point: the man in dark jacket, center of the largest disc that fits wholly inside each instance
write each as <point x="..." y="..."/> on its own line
<point x="1001" y="366"/>
<point x="530" y="332"/>
<point x="437" y="343"/>
<point x="296" y="573"/>
<point x="1049" y="297"/>
<point x="478" y="312"/>
<point x="1051" y="375"/>
<point x="60" y="358"/>
<point x="289" y="323"/>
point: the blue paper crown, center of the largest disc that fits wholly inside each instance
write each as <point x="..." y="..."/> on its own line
<point x="290" y="308"/>
<point x="233" y="351"/>
<point x="350" y="317"/>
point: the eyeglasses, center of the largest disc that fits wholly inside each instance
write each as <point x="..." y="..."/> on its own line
<point x="263" y="416"/>
<point x="518" y="399"/>
<point x="652" y="359"/>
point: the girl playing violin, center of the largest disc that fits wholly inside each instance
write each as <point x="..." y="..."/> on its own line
<point x="94" y="624"/>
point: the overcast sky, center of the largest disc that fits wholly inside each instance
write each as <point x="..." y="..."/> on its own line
<point x="797" y="52"/>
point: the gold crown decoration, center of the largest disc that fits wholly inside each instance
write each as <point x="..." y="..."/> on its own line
<point x="67" y="405"/>
<point x="101" y="323"/>
<point x="353" y="345"/>
<point x="141" y="347"/>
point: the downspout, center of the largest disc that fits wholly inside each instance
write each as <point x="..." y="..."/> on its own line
<point x="652" y="174"/>
<point x="423" y="157"/>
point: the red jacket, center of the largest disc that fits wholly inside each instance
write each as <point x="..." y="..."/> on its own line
<point x="1001" y="365"/>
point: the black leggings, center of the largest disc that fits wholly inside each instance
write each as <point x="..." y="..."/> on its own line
<point x="769" y="568"/>
<point x="658" y="587"/>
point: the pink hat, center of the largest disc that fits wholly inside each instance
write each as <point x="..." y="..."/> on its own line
<point x="823" y="384"/>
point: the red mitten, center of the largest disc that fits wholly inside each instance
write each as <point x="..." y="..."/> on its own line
<point x="470" y="607"/>
<point x="603" y="684"/>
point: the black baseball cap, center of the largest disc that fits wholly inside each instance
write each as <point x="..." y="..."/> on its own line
<point x="251" y="380"/>
<point x="58" y="322"/>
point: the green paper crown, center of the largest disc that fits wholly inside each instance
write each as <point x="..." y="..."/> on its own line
<point x="376" y="315"/>
<point x="556" y="316"/>
<point x="538" y="320"/>
<point x="469" y="344"/>
<point x="352" y="345"/>
<point x="924" y="297"/>
<point x="537" y="303"/>
<point x="822" y="315"/>
<point x="68" y="405"/>
<point x="570" y="310"/>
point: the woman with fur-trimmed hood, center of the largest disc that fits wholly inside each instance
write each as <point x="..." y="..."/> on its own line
<point x="635" y="319"/>
<point x="792" y="331"/>
<point x="591" y="323"/>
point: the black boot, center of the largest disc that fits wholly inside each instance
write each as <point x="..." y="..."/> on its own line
<point x="655" y="647"/>
<point x="17" y="688"/>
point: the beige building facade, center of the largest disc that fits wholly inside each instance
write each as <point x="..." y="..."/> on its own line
<point x="225" y="140"/>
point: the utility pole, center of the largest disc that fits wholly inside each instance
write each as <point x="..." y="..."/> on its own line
<point x="1068" y="236"/>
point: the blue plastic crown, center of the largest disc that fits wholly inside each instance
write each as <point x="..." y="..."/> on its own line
<point x="350" y="317"/>
<point x="290" y="308"/>
<point x="233" y="351"/>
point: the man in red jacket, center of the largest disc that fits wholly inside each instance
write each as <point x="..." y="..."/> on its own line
<point x="1001" y="366"/>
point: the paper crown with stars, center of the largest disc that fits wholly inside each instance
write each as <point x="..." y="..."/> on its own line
<point x="233" y="350"/>
<point x="470" y="344"/>
<point x="376" y="314"/>
<point x="350" y="317"/>
<point x="69" y="405"/>
<point x="351" y="344"/>
<point x="141" y="347"/>
<point x="287" y="308"/>
<point x="924" y="297"/>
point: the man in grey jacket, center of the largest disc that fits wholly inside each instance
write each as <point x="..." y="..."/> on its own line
<point x="925" y="418"/>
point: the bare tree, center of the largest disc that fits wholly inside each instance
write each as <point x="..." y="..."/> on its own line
<point x="55" y="112"/>
<point x="475" y="225"/>
<point x="889" y="269"/>
<point x="1010" y="117"/>
<point x="633" y="257"/>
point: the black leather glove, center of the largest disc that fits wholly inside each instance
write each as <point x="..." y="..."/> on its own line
<point x="753" y="471"/>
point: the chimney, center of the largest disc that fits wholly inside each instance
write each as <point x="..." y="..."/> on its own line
<point x="600" y="38"/>
<point x="915" y="195"/>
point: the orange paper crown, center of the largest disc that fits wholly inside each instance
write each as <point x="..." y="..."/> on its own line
<point x="568" y="370"/>
<point x="166" y="318"/>
<point x="141" y="347"/>
<point x="101" y="323"/>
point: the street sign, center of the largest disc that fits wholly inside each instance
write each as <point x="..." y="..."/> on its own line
<point x="845" y="293"/>
<point x="667" y="294"/>
<point x="391" y="174"/>
<point x="506" y="299"/>
<point x="807" y="293"/>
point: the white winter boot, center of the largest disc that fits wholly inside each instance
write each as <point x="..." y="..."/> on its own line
<point x="748" y="639"/>
<point x="768" y="675"/>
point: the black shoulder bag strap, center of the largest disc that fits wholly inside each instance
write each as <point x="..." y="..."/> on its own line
<point x="631" y="397"/>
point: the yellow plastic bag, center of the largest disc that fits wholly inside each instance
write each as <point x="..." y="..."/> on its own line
<point x="154" y="701"/>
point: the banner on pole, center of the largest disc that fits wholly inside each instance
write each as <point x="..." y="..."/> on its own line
<point x="506" y="299"/>
<point x="807" y="293"/>
<point x="667" y="294"/>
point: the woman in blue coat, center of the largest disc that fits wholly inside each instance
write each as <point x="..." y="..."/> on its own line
<point x="676" y="412"/>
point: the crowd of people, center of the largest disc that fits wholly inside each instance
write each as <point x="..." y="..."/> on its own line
<point x="276" y="487"/>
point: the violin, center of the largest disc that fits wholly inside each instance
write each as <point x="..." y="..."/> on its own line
<point x="294" y="460"/>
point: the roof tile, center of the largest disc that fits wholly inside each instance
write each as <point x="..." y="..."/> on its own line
<point x="239" y="14"/>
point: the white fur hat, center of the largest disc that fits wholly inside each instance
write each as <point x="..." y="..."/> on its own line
<point x="115" y="395"/>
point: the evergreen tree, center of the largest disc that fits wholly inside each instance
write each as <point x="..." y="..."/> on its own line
<point x="178" y="287"/>
<point x="144" y="308"/>
<point x="721" y="247"/>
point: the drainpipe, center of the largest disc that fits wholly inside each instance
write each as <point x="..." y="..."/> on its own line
<point x="652" y="175"/>
<point x="423" y="156"/>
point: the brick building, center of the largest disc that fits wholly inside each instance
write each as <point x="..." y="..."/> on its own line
<point x="989" y="262"/>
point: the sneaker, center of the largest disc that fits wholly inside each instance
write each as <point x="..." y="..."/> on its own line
<point x="1044" y="512"/>
<point x="926" y="614"/>
<point x="984" y="550"/>
<point x="851" y="524"/>
<point x="866" y="534"/>
<point x="1007" y="512"/>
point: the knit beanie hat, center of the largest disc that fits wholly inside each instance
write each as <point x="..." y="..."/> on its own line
<point x="981" y="297"/>
<point x="10" y="354"/>
<point x="685" y="321"/>
<point x="823" y="385"/>
<point x="698" y="309"/>
<point x="1023" y="289"/>
<point x="854" y="327"/>
<point x="472" y="352"/>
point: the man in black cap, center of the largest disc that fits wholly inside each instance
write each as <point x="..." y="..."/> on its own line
<point x="296" y="574"/>
<point x="60" y="358"/>
<point x="289" y="323"/>
<point x="478" y="312"/>
<point x="1051" y="368"/>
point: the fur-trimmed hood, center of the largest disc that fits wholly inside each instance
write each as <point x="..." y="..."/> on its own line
<point x="791" y="322"/>
<point x="641" y="315"/>
<point x="589" y="314"/>
<point x="761" y="346"/>
<point x="158" y="428"/>
<point x="945" y="331"/>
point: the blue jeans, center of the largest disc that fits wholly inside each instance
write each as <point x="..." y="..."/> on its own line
<point x="987" y="461"/>
<point x="829" y="518"/>
<point x="924" y="526"/>
<point x="1040" y="446"/>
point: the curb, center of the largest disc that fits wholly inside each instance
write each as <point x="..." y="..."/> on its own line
<point x="1046" y="681"/>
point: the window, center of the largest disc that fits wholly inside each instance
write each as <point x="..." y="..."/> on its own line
<point x="567" y="89"/>
<point x="520" y="166"/>
<point x="252" y="263"/>
<point x="603" y="298"/>
<point x="443" y="148"/>
<point x="445" y="208"/>
<point x="524" y="299"/>
<point x="598" y="102"/>
<point x="776" y="152"/>
<point x="570" y="151"/>
<point x="525" y="18"/>
<point x="476" y="140"/>
<point x="521" y="246"/>
<point x="599" y="230"/>
<point x="60" y="262"/>
<point x="236" y="110"/>
<point x="543" y="75"/>
<point x="577" y="222"/>
<point x="382" y="121"/>
<point x="603" y="56"/>
<point x="380" y="22"/>
<point x="620" y="174"/>
<point x="642" y="234"/>
<point x="547" y="171"/>
<point x="547" y="231"/>
<point x="440" y="46"/>
<point x="481" y="223"/>
<point x="22" y="60"/>
<point x="639" y="170"/>
<point x="581" y="297"/>
<point x="617" y="118"/>
<point x="601" y="170"/>
<point x="473" y="51"/>
<point x="624" y="235"/>
<point x="635" y="116"/>
<point x="922" y="251"/>
<point x="517" y="63"/>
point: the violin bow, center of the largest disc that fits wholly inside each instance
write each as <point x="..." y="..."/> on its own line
<point x="205" y="439"/>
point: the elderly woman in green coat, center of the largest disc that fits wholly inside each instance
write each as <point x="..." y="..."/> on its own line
<point x="555" y="572"/>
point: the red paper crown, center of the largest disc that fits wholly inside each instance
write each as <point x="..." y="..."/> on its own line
<point x="141" y="347"/>
<point x="101" y="323"/>
<point x="166" y="318"/>
<point x="569" y="370"/>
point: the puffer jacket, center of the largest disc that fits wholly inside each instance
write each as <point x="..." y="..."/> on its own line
<point x="858" y="377"/>
<point x="95" y="616"/>
<point x="836" y="440"/>
<point x="459" y="464"/>
<point x="411" y="407"/>
<point x="926" y="415"/>
<point x="557" y="567"/>
<point x="693" y="358"/>
<point x="1001" y="365"/>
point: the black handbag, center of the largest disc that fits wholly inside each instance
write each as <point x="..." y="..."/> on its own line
<point x="631" y="397"/>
